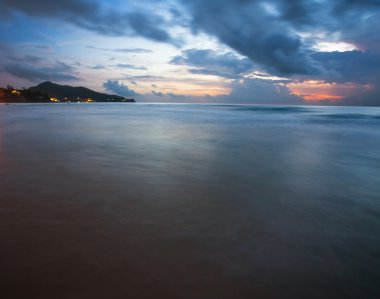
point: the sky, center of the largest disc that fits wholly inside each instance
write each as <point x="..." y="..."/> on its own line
<point x="216" y="51"/>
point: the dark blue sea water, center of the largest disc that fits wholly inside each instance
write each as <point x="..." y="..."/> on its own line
<point x="189" y="201"/>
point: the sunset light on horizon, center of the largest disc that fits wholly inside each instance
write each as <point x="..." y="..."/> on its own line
<point x="181" y="51"/>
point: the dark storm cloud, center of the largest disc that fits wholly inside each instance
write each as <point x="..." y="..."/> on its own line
<point x="58" y="72"/>
<point x="349" y="66"/>
<point x="298" y="12"/>
<point x="119" y="88"/>
<point x="365" y="33"/>
<point x="267" y="32"/>
<point x="363" y="97"/>
<point x="209" y="62"/>
<point x="279" y="36"/>
<point x="346" y="6"/>
<point x="358" y="69"/>
<point x="92" y="16"/>
<point x="253" y="31"/>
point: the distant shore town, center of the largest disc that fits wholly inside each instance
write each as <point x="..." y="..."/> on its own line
<point x="49" y="92"/>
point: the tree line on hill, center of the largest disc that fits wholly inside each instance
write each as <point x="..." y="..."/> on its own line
<point x="47" y="92"/>
<point x="12" y="95"/>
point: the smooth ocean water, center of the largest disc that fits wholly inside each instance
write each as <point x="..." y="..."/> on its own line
<point x="189" y="201"/>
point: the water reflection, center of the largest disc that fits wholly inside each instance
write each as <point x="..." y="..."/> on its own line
<point x="189" y="201"/>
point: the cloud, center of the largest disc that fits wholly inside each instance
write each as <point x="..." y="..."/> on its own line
<point x="181" y="97"/>
<point x="358" y="70"/>
<point x="279" y="37"/>
<point x="346" y="7"/>
<point x="60" y="71"/>
<point x="157" y="94"/>
<point x="27" y="58"/>
<point x="259" y="91"/>
<point x="119" y="88"/>
<point x="350" y="66"/>
<point x="131" y="66"/>
<point x="122" y="50"/>
<point x="275" y="37"/>
<point x="253" y="31"/>
<point x="97" y="67"/>
<point x="209" y="62"/>
<point x="144" y="77"/>
<point x="4" y="48"/>
<point x="42" y="47"/>
<point x="365" y="35"/>
<point x="213" y="72"/>
<point x="363" y="96"/>
<point x="93" y="16"/>
<point x="249" y="90"/>
<point x="279" y="34"/>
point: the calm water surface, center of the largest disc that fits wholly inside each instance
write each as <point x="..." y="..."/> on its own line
<point x="189" y="201"/>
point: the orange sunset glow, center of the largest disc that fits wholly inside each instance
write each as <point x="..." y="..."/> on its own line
<point x="320" y="91"/>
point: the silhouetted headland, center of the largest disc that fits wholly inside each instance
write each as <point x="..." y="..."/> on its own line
<point x="48" y="92"/>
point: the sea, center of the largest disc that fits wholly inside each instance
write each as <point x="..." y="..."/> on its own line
<point x="190" y="201"/>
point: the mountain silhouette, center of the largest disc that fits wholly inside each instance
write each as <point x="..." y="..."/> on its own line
<point x="65" y="93"/>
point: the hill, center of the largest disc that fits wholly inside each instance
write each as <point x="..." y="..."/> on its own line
<point x="12" y="95"/>
<point x="65" y="93"/>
